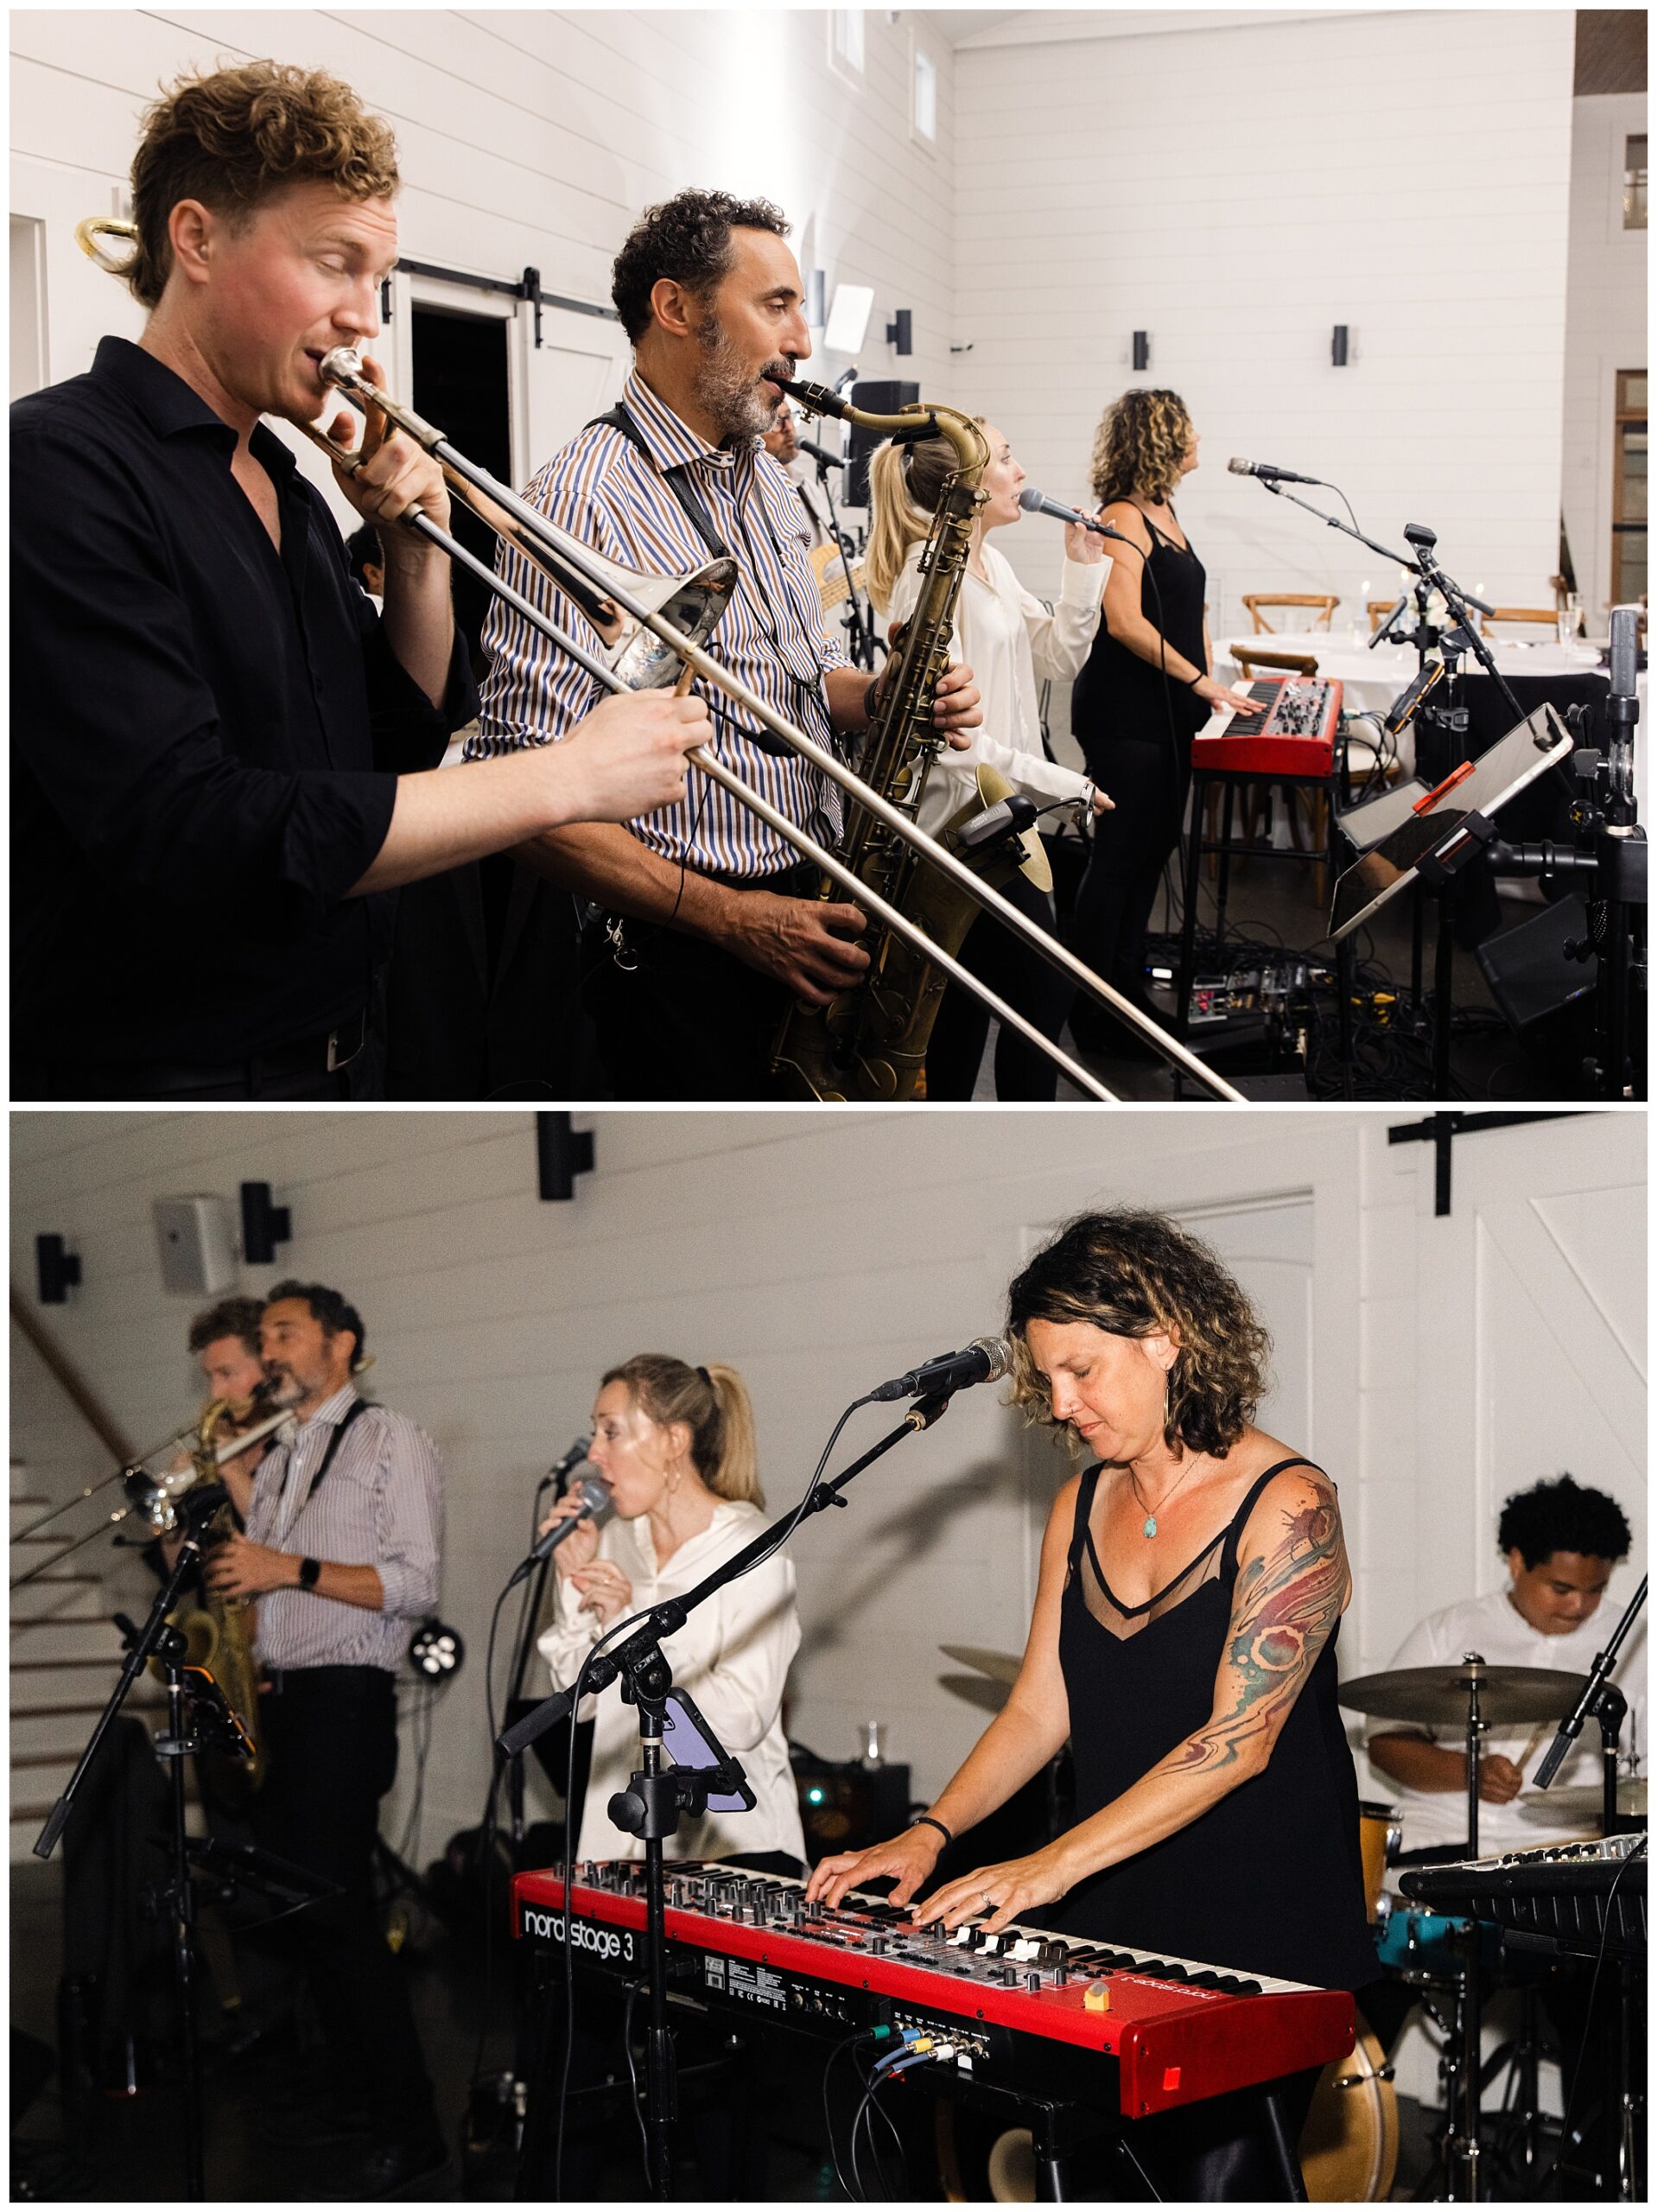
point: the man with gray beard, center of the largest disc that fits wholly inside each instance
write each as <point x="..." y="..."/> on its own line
<point x="704" y="921"/>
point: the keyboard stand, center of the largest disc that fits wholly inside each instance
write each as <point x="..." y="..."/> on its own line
<point x="1199" y="846"/>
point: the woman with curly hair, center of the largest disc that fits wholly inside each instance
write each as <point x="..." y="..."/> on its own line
<point x="1145" y="693"/>
<point x="1191" y="1584"/>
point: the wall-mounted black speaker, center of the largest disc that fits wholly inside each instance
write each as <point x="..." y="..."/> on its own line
<point x="1337" y="347"/>
<point x="561" y="1154"/>
<point x="263" y="1226"/>
<point x="875" y="398"/>
<point x="1142" y="351"/>
<point x="57" y="1269"/>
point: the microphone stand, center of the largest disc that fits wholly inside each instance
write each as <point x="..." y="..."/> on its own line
<point x="158" y="1638"/>
<point x="1450" y="720"/>
<point x="1602" y="1700"/>
<point x="858" y="626"/>
<point x="656" y="1799"/>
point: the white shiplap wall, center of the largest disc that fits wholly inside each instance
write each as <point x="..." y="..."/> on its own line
<point x="820" y="1252"/>
<point x="532" y="138"/>
<point x="1606" y="331"/>
<point x="1237" y="192"/>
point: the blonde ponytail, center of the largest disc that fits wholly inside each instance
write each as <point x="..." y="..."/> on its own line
<point x="714" y="1404"/>
<point x="736" y="1475"/>
<point x="905" y="484"/>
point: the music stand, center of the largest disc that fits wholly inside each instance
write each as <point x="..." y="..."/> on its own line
<point x="1424" y="834"/>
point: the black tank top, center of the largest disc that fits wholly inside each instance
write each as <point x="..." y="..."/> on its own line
<point x="1119" y="698"/>
<point x="1270" y="1879"/>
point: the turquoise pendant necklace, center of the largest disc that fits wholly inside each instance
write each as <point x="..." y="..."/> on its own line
<point x="1150" y="1528"/>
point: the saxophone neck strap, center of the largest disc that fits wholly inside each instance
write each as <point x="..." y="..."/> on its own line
<point x="357" y="1406"/>
<point x="677" y="479"/>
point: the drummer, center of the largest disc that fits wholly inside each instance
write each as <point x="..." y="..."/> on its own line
<point x="1561" y="1542"/>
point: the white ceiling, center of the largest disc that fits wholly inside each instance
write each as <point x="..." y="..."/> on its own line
<point x="979" y="27"/>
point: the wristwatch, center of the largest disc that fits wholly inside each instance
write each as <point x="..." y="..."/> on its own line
<point x="310" y="1571"/>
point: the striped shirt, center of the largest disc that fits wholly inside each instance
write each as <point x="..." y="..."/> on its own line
<point x="603" y="490"/>
<point x="381" y="1506"/>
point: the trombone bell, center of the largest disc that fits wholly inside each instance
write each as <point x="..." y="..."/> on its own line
<point x="693" y="603"/>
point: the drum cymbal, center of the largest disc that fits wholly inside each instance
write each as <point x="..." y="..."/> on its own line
<point x="1000" y="1666"/>
<point x="1580" y="1801"/>
<point x="1438" y="1695"/>
<point x="975" y="1689"/>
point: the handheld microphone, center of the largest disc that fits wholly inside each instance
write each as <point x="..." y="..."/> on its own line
<point x="596" y="1504"/>
<point x="820" y="455"/>
<point x="1037" y="502"/>
<point x="1266" y="473"/>
<point x="986" y="1359"/>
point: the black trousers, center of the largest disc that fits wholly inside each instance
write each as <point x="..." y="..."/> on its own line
<point x="331" y="1734"/>
<point x="1150" y="786"/>
<point x="686" y="1019"/>
<point x="1027" y="982"/>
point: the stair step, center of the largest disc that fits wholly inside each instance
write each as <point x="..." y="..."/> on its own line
<point x="56" y="1643"/>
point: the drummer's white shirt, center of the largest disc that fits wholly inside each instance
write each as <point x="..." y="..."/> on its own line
<point x="1498" y="1631"/>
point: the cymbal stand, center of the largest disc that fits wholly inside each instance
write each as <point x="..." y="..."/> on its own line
<point x="1462" y="2144"/>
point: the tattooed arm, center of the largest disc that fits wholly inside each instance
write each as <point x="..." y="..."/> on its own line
<point x="1292" y="1585"/>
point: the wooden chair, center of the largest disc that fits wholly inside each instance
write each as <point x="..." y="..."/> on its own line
<point x="1324" y="601"/>
<point x="1546" y="616"/>
<point x="1250" y="657"/>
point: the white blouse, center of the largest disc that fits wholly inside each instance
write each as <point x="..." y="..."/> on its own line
<point x="731" y="1658"/>
<point x="1008" y="638"/>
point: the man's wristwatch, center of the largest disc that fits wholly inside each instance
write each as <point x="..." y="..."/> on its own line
<point x="310" y="1572"/>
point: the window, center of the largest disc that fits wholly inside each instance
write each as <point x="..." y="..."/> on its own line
<point x="846" y="34"/>
<point x="1633" y="184"/>
<point x="1628" y="511"/>
<point x="926" y="96"/>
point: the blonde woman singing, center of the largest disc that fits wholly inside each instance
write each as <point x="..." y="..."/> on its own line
<point x="1014" y="638"/>
<point x="675" y="1446"/>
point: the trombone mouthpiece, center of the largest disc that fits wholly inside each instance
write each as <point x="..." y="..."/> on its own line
<point x="342" y="366"/>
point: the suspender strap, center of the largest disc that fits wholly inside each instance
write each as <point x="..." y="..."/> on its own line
<point x="675" y="478"/>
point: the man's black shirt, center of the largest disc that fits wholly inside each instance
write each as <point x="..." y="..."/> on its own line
<point x="206" y="735"/>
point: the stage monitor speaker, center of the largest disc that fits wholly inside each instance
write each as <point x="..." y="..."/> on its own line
<point x="196" y="1244"/>
<point x="1530" y="978"/>
<point x="875" y="398"/>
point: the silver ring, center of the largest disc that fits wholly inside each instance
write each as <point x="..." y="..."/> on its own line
<point x="989" y="1902"/>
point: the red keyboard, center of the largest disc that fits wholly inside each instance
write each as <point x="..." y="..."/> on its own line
<point x="1024" y="2009"/>
<point x="1292" y="732"/>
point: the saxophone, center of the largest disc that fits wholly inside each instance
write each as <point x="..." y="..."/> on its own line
<point x="870" y="1043"/>
<point x="218" y="1632"/>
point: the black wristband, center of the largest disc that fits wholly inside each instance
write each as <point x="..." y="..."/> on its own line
<point x="1191" y="682"/>
<point x="310" y="1574"/>
<point x="925" y="1821"/>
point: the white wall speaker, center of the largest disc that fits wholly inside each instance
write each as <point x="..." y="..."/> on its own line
<point x="196" y="1244"/>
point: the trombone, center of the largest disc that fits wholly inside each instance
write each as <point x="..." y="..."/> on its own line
<point x="584" y="574"/>
<point x="150" y="1497"/>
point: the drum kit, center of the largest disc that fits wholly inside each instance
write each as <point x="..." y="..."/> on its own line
<point x="1450" y="1965"/>
<point x="1348" y="2149"/>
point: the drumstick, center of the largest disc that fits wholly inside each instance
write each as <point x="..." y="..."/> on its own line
<point x="1533" y="1746"/>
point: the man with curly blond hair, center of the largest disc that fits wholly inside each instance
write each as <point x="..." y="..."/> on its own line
<point x="219" y="742"/>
